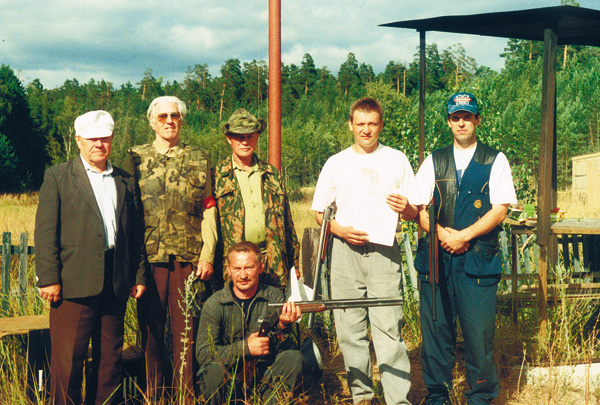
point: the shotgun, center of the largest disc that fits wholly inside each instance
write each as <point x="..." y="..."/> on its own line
<point x="323" y="305"/>
<point x="433" y="257"/>
<point x="321" y="253"/>
<point x="246" y="374"/>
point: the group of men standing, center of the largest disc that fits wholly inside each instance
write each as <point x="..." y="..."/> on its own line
<point x="104" y="234"/>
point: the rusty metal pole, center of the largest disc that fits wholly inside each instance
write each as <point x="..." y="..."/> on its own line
<point x="275" y="83"/>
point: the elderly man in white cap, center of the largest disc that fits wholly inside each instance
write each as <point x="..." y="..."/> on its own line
<point x="89" y="260"/>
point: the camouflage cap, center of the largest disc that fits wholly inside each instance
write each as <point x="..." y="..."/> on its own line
<point x="242" y="122"/>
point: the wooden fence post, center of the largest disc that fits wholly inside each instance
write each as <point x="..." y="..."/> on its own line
<point x="6" y="237"/>
<point x="23" y="252"/>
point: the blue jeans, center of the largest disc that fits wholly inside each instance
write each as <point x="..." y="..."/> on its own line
<point x="370" y="271"/>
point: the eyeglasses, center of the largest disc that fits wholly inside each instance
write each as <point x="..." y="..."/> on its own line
<point x="162" y="118"/>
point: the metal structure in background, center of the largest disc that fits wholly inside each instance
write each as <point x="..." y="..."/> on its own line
<point x="561" y="25"/>
<point x="275" y="83"/>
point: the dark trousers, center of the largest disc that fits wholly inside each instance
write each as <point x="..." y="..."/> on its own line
<point x="72" y="323"/>
<point x="281" y="374"/>
<point x="475" y="306"/>
<point x="166" y="291"/>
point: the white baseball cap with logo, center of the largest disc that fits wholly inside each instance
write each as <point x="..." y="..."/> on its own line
<point x="94" y="124"/>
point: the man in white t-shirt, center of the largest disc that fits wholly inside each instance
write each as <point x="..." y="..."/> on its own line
<point x="471" y="186"/>
<point x="372" y="186"/>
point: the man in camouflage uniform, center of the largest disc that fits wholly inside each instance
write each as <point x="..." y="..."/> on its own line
<point x="252" y="202"/>
<point x="180" y="239"/>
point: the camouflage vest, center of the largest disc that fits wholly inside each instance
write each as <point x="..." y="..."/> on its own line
<point x="173" y="187"/>
<point x="282" y="247"/>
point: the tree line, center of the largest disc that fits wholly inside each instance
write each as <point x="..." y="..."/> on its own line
<point x="36" y="124"/>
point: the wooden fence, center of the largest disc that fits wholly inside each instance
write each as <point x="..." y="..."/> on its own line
<point x="23" y="251"/>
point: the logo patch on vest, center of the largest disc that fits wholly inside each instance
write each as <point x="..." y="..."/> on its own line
<point x="477" y="204"/>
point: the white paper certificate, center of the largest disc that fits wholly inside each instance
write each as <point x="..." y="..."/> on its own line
<point x="377" y="219"/>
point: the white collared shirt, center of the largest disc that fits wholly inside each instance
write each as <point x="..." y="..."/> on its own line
<point x="105" y="192"/>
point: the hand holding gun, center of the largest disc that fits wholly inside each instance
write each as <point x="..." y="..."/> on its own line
<point x="258" y="345"/>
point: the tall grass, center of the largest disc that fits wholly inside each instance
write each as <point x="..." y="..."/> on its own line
<point x="17" y="213"/>
<point x="571" y="336"/>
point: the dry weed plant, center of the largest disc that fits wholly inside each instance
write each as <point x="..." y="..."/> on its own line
<point x="571" y="338"/>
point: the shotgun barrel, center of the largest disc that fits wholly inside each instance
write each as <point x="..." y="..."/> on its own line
<point x="323" y="305"/>
<point x="433" y="256"/>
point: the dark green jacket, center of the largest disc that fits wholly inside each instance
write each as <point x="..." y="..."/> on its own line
<point x="223" y="328"/>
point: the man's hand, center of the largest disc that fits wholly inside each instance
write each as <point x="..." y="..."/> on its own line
<point x="204" y="271"/>
<point x="258" y="345"/>
<point x="453" y="241"/>
<point x="289" y="313"/>
<point x="353" y="236"/>
<point x="349" y="234"/>
<point x="137" y="290"/>
<point x="51" y="292"/>
<point x="397" y="202"/>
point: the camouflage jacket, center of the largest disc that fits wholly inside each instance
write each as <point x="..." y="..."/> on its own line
<point x="176" y="189"/>
<point x="282" y="244"/>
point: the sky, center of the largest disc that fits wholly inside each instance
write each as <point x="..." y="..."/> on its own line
<point x="118" y="40"/>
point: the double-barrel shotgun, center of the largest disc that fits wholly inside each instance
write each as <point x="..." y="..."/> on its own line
<point x="324" y="305"/>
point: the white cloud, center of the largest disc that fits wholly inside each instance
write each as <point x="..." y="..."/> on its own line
<point x="117" y="40"/>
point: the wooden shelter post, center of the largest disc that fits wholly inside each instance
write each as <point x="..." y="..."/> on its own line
<point x="422" y="62"/>
<point x="547" y="171"/>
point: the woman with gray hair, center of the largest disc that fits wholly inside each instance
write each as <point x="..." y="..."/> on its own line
<point x="180" y="239"/>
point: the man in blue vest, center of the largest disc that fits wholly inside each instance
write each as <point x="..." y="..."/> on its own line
<point x="471" y="186"/>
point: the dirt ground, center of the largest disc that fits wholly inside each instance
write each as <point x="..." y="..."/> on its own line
<point x="333" y="390"/>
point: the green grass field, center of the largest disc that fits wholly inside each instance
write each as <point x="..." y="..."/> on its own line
<point x="571" y="337"/>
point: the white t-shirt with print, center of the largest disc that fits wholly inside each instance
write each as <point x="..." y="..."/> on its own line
<point x="359" y="184"/>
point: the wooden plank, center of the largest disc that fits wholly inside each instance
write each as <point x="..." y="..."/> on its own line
<point x="310" y="245"/>
<point x="505" y="255"/>
<point x="576" y="261"/>
<point x="564" y="240"/>
<point x="573" y="226"/>
<point x="20" y="325"/>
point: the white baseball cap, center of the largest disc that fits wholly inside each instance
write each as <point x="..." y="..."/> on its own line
<point x="94" y="124"/>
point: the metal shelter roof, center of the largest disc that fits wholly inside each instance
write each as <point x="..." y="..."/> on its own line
<point x="572" y="25"/>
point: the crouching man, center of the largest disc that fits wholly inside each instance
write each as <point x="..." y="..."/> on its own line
<point x="236" y="349"/>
